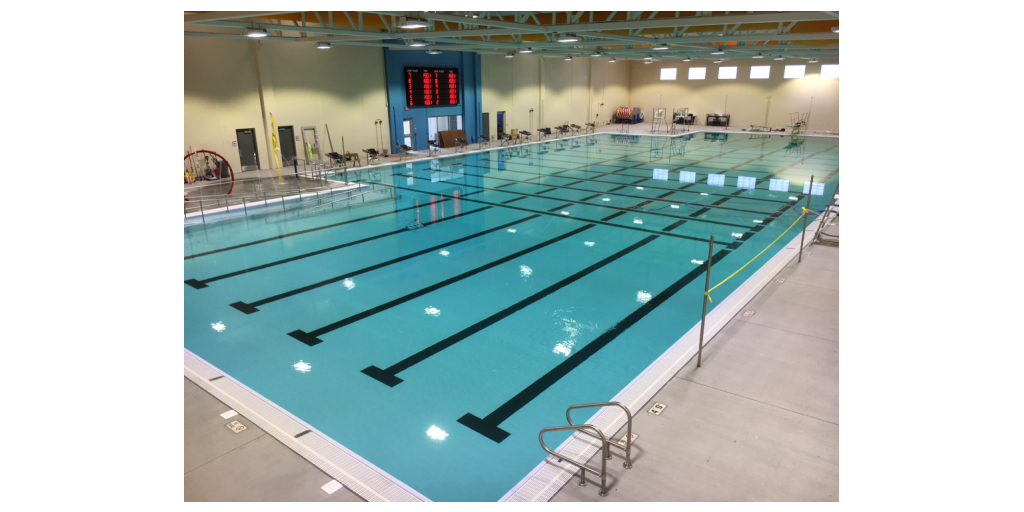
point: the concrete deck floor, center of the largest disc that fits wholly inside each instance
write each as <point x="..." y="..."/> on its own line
<point x="759" y="421"/>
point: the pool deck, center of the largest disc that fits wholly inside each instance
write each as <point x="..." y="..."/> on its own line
<point x="759" y="421"/>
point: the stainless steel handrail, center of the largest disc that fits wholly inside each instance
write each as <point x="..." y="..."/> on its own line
<point x="227" y="201"/>
<point x="583" y="467"/>
<point x="629" y="426"/>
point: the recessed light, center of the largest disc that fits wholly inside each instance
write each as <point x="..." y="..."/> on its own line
<point x="418" y="43"/>
<point x="568" y="38"/>
<point x="526" y="50"/>
<point x="256" y="32"/>
<point x="413" y="23"/>
<point x="323" y="46"/>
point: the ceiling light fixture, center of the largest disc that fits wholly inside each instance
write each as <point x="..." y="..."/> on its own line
<point x="509" y="55"/>
<point x="323" y="46"/>
<point x="649" y="57"/>
<point x="648" y="62"/>
<point x="719" y="61"/>
<point x="835" y="30"/>
<point x="778" y="58"/>
<point x="719" y="51"/>
<point x="597" y="53"/>
<point x="686" y="59"/>
<point x="568" y="57"/>
<point x="568" y="38"/>
<point x="758" y="56"/>
<point x="433" y="51"/>
<point x="611" y="59"/>
<point x="526" y="50"/>
<point x="813" y="61"/>
<point x="256" y="32"/>
<point x="417" y="43"/>
<point x="413" y="23"/>
<point x="661" y="46"/>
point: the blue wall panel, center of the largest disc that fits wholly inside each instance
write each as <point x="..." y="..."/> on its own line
<point x="468" y="65"/>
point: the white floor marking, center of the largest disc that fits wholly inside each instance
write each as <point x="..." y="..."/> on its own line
<point x="331" y="486"/>
<point x="229" y="414"/>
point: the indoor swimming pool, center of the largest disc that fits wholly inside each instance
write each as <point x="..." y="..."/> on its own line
<point x="435" y="331"/>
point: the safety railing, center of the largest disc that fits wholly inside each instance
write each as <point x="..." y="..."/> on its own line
<point x="596" y="433"/>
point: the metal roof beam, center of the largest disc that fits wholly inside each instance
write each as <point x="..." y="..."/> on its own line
<point x="229" y="15"/>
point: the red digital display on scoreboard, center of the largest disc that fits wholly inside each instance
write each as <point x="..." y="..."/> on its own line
<point x="431" y="87"/>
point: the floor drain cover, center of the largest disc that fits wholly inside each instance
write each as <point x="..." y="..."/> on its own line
<point x="748" y="313"/>
<point x="780" y="281"/>
<point x="235" y="426"/>
<point x="657" y="409"/>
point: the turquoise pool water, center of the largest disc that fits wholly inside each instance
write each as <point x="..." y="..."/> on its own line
<point x="542" y="276"/>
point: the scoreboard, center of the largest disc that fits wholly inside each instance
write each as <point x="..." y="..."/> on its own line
<point x="431" y="87"/>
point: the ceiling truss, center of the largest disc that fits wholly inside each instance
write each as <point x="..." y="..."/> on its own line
<point x="627" y="35"/>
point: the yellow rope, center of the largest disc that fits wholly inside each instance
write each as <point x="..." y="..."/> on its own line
<point x="708" y="293"/>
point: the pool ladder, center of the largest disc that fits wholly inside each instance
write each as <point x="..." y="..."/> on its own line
<point x="590" y="430"/>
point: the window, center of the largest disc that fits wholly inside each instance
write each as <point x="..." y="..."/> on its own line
<point x="760" y="72"/>
<point x="727" y="73"/>
<point x="829" y="71"/>
<point x="668" y="73"/>
<point x="796" y="71"/>
<point x="697" y="73"/>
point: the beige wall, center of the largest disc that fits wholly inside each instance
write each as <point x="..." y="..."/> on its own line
<point x="747" y="99"/>
<point x="557" y="90"/>
<point x="342" y="87"/>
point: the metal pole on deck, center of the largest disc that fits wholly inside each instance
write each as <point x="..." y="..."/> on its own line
<point x="804" y="232"/>
<point x="704" y="310"/>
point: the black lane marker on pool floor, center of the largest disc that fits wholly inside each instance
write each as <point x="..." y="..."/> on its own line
<point x="581" y="219"/>
<point x="513" y="200"/>
<point x="389" y="375"/>
<point x="203" y="283"/>
<point x="566" y="205"/>
<point x="312" y="338"/>
<point x="544" y="191"/>
<point x="488" y="426"/>
<point x="250" y="307"/>
<point x="304" y="231"/>
<point x="674" y="225"/>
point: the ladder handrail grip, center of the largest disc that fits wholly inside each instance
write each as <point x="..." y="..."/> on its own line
<point x="583" y="467"/>
<point x="629" y="423"/>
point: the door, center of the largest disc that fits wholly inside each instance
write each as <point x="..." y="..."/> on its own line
<point x="407" y="132"/>
<point x="310" y="144"/>
<point x="247" y="149"/>
<point x="501" y="122"/>
<point x="486" y="124"/>
<point x="286" y="138"/>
